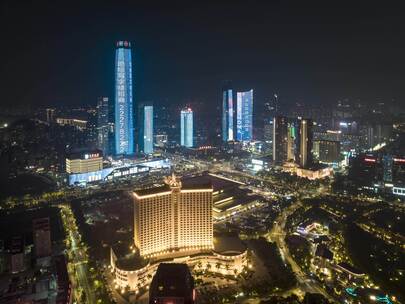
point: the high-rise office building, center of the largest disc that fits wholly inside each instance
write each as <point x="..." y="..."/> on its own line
<point x="387" y="161"/>
<point x="271" y="107"/>
<point x="42" y="237"/>
<point x="280" y="140"/>
<point x="292" y="131"/>
<point x="17" y="254"/>
<point x="268" y="130"/>
<point x="329" y="151"/>
<point x="186" y="128"/>
<point x="228" y="115"/>
<point x="50" y="115"/>
<point x="124" y="114"/>
<point x="270" y="111"/>
<point x="146" y="128"/>
<point x="244" y="116"/>
<point x="92" y="130"/>
<point x="172" y="218"/>
<point x="172" y="284"/>
<point x="305" y="143"/>
<point x="103" y="128"/>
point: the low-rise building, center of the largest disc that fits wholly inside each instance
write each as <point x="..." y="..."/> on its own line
<point x="84" y="161"/>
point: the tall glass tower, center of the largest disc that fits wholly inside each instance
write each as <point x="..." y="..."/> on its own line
<point x="244" y="116"/>
<point x="124" y="114"/>
<point x="146" y="129"/>
<point x="305" y="141"/>
<point x="280" y="140"/>
<point x="227" y="115"/>
<point x="186" y="128"/>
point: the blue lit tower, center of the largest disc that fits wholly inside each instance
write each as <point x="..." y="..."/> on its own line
<point x="227" y="115"/>
<point x="244" y="116"/>
<point x="146" y="128"/>
<point x="186" y="128"/>
<point x="124" y="114"/>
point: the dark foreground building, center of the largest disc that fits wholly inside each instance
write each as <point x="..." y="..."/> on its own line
<point x="172" y="284"/>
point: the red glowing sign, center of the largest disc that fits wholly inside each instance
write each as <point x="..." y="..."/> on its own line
<point x="370" y="160"/>
<point x="399" y="160"/>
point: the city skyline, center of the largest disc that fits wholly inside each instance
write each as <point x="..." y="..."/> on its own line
<point x="202" y="152"/>
<point x="294" y="62"/>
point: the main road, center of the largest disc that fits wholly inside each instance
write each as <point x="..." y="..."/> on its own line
<point x="78" y="254"/>
<point x="277" y="235"/>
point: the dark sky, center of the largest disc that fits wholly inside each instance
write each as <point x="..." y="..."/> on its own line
<point x="313" y="51"/>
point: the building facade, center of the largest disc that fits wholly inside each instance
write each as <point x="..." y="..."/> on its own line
<point x="50" y="115"/>
<point x="173" y="218"/>
<point x="244" y="116"/>
<point x="103" y="128"/>
<point x="280" y="140"/>
<point x="292" y="140"/>
<point x="305" y="143"/>
<point x="146" y="129"/>
<point x="228" y="113"/>
<point x="42" y="237"/>
<point x="79" y="124"/>
<point x="186" y="128"/>
<point x="84" y="162"/>
<point x="124" y="113"/>
<point x="172" y="283"/>
<point x="329" y="151"/>
<point x="231" y="262"/>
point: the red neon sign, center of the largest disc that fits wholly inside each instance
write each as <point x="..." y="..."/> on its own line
<point x="399" y="160"/>
<point x="370" y="160"/>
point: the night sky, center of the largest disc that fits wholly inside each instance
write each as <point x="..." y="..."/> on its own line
<point x="310" y="51"/>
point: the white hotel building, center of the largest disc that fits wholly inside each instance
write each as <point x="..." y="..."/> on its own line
<point x="173" y="218"/>
<point x="174" y="223"/>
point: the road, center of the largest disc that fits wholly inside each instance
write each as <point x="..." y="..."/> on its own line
<point x="78" y="254"/>
<point x="277" y="235"/>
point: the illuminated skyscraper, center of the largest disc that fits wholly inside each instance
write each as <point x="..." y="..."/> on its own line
<point x="146" y="129"/>
<point x="124" y="114"/>
<point x="50" y="115"/>
<point x="244" y="116"/>
<point x="227" y="115"/>
<point x="305" y="143"/>
<point x="186" y="128"/>
<point x="103" y="128"/>
<point x="280" y="140"/>
<point x="292" y="139"/>
<point x="329" y="151"/>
